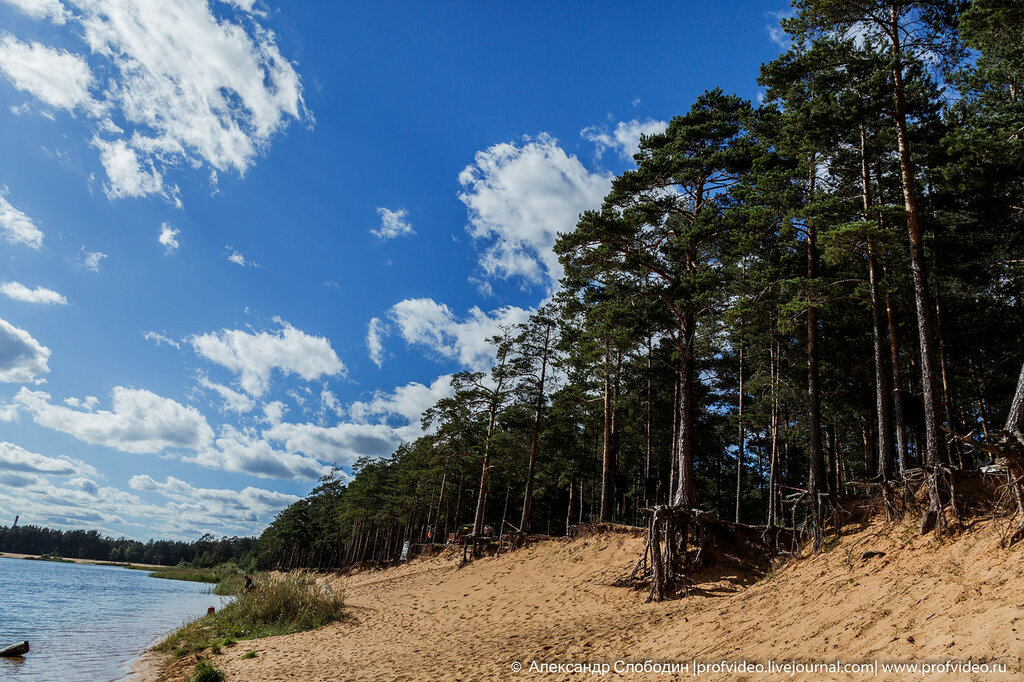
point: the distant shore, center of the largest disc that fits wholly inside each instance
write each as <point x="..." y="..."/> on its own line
<point x="97" y="562"/>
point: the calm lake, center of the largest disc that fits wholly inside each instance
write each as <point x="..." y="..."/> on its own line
<point x="87" y="622"/>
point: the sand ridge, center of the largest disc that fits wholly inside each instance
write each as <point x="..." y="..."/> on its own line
<point x="553" y="602"/>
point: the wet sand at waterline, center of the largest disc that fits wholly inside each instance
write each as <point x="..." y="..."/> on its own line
<point x="553" y="602"/>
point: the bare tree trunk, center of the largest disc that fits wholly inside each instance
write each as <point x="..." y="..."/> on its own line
<point x="485" y="472"/>
<point x="883" y="387"/>
<point x="648" y="452"/>
<point x="773" y="466"/>
<point x="572" y="500"/>
<point x="817" y="485"/>
<point x="686" y="492"/>
<point x="524" y="523"/>
<point x="740" y="448"/>
<point x="606" y="459"/>
<point x="1015" y="418"/>
<point x="934" y="450"/>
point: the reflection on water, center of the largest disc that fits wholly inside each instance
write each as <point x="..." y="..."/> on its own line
<point x="87" y="622"/>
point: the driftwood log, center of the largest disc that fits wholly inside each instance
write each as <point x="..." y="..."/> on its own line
<point x="19" y="649"/>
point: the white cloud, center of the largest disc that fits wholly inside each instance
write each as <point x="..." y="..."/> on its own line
<point x="17" y="227"/>
<point x="90" y="402"/>
<point x="342" y="444"/>
<point x="22" y="358"/>
<point x="273" y="412"/>
<point x="188" y="87"/>
<point x="329" y="403"/>
<point x="519" y="198"/>
<point x="16" y="458"/>
<point x="234" y="256"/>
<point x="127" y="177"/>
<point x="245" y="453"/>
<point x="423" y="321"/>
<point x="140" y="421"/>
<point x="187" y="513"/>
<point x="374" y="344"/>
<point x="250" y="502"/>
<point x="168" y="238"/>
<point x="392" y="223"/>
<point x="625" y="139"/>
<point x="778" y="34"/>
<point x="90" y="260"/>
<point x="233" y="400"/>
<point x="42" y="9"/>
<point x="379" y="425"/>
<point x="161" y="337"/>
<point x="254" y="356"/>
<point x="19" y="292"/>
<point x="406" y="404"/>
<point x="56" y="77"/>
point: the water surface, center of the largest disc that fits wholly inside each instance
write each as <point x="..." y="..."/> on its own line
<point x="86" y="622"/>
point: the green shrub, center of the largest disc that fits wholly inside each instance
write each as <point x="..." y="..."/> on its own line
<point x="204" y="672"/>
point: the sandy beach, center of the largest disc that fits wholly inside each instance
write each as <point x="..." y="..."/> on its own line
<point x="552" y="602"/>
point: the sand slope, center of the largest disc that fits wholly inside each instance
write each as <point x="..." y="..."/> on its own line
<point x="550" y="602"/>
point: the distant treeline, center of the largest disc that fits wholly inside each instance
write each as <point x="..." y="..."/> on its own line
<point x="205" y="552"/>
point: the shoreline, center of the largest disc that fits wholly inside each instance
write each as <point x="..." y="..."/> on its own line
<point x="147" y="666"/>
<point x="94" y="562"/>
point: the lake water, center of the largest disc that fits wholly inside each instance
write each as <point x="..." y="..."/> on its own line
<point x="86" y="622"/>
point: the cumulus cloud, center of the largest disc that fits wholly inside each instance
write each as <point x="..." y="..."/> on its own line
<point x="247" y="453"/>
<point x="424" y="322"/>
<point x="186" y="511"/>
<point x="22" y="358"/>
<point x="379" y="425"/>
<point x="168" y="238"/>
<point x="56" y="77"/>
<point x="16" y="458"/>
<point x="42" y="9"/>
<point x="16" y="227"/>
<point x="139" y="422"/>
<point x="392" y="223"/>
<point x="187" y="87"/>
<point x="253" y="356"/>
<point x="342" y="444"/>
<point x="625" y="138"/>
<point x="126" y="175"/>
<point x="374" y="343"/>
<point x="251" y="503"/>
<point x="19" y="292"/>
<point x="406" y="404"/>
<point x="519" y="197"/>
<point x="233" y="400"/>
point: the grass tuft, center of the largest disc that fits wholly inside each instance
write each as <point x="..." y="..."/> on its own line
<point x="204" y="672"/>
<point x="292" y="603"/>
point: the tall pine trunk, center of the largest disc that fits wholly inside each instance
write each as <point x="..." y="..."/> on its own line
<point x="883" y="387"/>
<point x="686" y="492"/>
<point x="524" y="523"/>
<point x="818" y="484"/>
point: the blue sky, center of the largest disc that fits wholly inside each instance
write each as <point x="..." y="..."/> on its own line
<point x="243" y="241"/>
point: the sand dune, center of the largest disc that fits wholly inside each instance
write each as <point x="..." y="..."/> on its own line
<point x="552" y="602"/>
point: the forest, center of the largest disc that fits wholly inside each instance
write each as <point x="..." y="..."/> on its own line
<point x="782" y="299"/>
